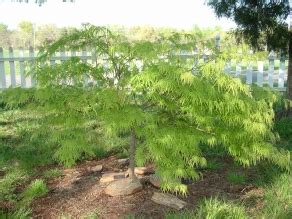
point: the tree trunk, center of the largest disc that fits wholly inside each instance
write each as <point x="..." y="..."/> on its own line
<point x="132" y="155"/>
<point x="289" y="80"/>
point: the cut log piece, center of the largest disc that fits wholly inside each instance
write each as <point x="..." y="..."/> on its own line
<point x="168" y="200"/>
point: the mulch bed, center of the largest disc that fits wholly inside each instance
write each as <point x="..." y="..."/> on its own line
<point x="79" y="193"/>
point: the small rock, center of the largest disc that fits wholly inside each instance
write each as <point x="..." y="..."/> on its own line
<point x="155" y="181"/>
<point x="97" y="168"/>
<point x="110" y="177"/>
<point x="123" y="161"/>
<point x="168" y="200"/>
<point x="142" y="170"/>
<point x="123" y="187"/>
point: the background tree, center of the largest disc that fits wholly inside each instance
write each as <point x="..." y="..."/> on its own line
<point x="3" y="27"/>
<point x="4" y="35"/>
<point x="25" y="35"/>
<point x="260" y="23"/>
<point x="47" y="34"/>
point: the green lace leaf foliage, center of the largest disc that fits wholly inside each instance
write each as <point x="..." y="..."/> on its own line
<point x="150" y="87"/>
<point x="60" y="124"/>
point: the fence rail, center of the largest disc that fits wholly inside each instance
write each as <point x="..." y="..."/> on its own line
<point x="271" y="72"/>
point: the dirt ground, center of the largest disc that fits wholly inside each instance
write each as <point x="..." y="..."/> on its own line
<point x="78" y="193"/>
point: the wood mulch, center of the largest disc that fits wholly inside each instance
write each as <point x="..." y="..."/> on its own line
<point x="78" y="193"/>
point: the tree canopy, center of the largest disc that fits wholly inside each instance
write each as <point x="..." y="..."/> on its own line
<point x="260" y="23"/>
<point x="145" y="92"/>
<point x="257" y="21"/>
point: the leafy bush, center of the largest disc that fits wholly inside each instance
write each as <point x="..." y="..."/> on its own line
<point x="33" y="137"/>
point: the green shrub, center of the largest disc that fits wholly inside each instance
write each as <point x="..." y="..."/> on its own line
<point x="284" y="127"/>
<point x="236" y="178"/>
<point x="278" y="198"/>
<point x="213" y="208"/>
<point x="35" y="138"/>
<point x="266" y="173"/>
<point x="35" y="190"/>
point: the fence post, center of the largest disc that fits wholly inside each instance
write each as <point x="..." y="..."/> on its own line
<point x="281" y="70"/>
<point x="31" y="56"/>
<point x="93" y="57"/>
<point x="271" y="68"/>
<point x="238" y="69"/>
<point x="62" y="55"/>
<point x="2" y="70"/>
<point x="12" y="68"/>
<point x="21" y="68"/>
<point x="249" y="73"/>
<point x="227" y="67"/>
<point x="260" y="74"/>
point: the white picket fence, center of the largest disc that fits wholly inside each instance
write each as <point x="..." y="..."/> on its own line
<point x="271" y="72"/>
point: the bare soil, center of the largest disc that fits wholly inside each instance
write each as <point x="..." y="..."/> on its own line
<point x="78" y="193"/>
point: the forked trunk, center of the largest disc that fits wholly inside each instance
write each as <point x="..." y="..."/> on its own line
<point x="132" y="154"/>
<point x="289" y="79"/>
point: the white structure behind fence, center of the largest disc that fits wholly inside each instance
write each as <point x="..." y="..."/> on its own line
<point x="271" y="72"/>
